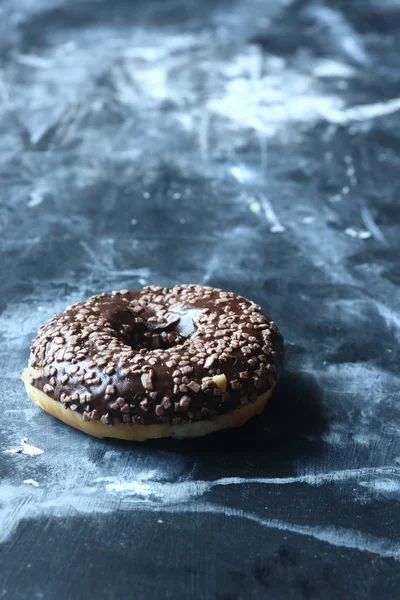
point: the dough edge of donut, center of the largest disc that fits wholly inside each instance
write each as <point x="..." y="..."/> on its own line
<point x="140" y="433"/>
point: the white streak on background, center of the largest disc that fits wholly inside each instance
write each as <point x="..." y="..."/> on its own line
<point x="212" y="267"/>
<point x="34" y="61"/>
<point x="108" y="494"/>
<point x="25" y="448"/>
<point x="270" y="215"/>
<point x="362" y="112"/>
<point x="31" y="482"/>
<point x="36" y="198"/>
<point x="185" y="490"/>
<point x="339" y="31"/>
<point x="391" y="317"/>
<point x="241" y="173"/>
<point x="329" y="68"/>
<point x="334" y="536"/>
<point x="263" y="206"/>
<point x="372" y="226"/>
<point x="358" y="233"/>
<point x="204" y="142"/>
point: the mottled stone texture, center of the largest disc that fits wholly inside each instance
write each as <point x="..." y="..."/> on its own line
<point x="243" y="144"/>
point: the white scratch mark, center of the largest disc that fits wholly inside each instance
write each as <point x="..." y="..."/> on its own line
<point x="335" y="536"/>
<point x="89" y="251"/>
<point x="137" y="488"/>
<point x="25" y="448"/>
<point x="383" y="486"/>
<point x="358" y="233"/>
<point x="33" y="60"/>
<point x="327" y="68"/>
<point x="391" y="317"/>
<point x="339" y="29"/>
<point x="255" y="207"/>
<point x="4" y="95"/>
<point x="185" y="490"/>
<point x="31" y="482"/>
<point x="263" y="206"/>
<point x="36" y="198"/>
<point x="61" y="498"/>
<point x="241" y="173"/>
<point x="212" y="266"/>
<point x="269" y="105"/>
<point x="270" y="215"/>
<point x="372" y="226"/>
<point x="363" y="112"/>
<point x="170" y="495"/>
<point x="204" y="135"/>
<point x="262" y="141"/>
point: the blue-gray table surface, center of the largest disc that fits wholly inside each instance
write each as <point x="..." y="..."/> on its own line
<point x="244" y="144"/>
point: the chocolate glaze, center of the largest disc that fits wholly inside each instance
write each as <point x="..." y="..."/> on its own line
<point x="150" y="356"/>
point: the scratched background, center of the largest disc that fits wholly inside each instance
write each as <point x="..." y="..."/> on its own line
<point x="245" y="144"/>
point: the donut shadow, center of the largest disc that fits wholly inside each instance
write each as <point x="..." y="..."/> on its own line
<point x="293" y="422"/>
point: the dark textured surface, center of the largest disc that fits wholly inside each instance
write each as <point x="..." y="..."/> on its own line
<point x="249" y="145"/>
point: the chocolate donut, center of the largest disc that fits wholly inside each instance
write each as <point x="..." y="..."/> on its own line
<point x="181" y="361"/>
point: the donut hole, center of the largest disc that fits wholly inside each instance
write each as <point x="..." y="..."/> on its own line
<point x="161" y="332"/>
<point x="151" y="340"/>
